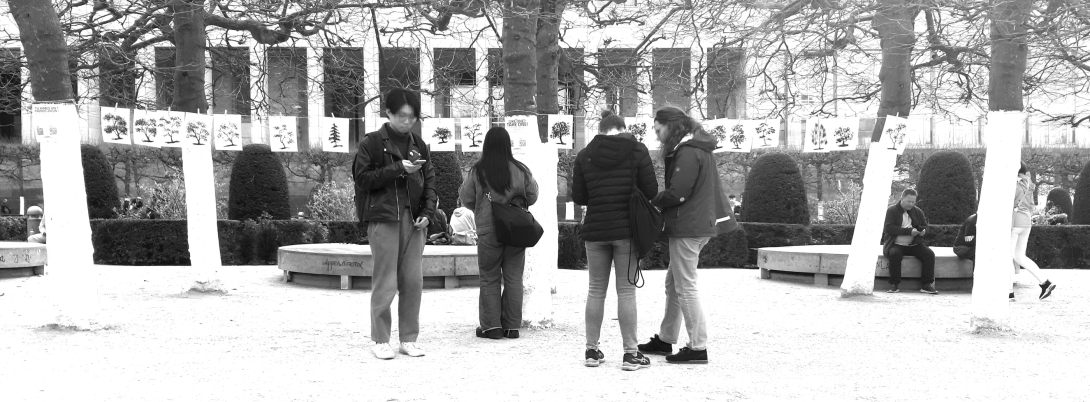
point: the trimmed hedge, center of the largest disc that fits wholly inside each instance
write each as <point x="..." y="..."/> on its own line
<point x="1080" y="210"/>
<point x="1062" y="199"/>
<point x="947" y="188"/>
<point x="448" y="179"/>
<point x="258" y="185"/>
<point x="101" y="186"/>
<point x="775" y="192"/>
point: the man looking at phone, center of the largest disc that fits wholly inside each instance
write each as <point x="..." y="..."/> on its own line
<point x="905" y="227"/>
<point x="395" y="193"/>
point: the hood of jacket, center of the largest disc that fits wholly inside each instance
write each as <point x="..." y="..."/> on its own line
<point x="611" y="150"/>
<point x="701" y="140"/>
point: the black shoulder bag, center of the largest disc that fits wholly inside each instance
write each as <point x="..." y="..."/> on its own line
<point x="644" y="226"/>
<point x="514" y="225"/>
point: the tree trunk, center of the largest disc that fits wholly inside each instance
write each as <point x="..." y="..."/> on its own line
<point x="895" y="24"/>
<point x="520" y="56"/>
<point x="548" y="61"/>
<point x="189" y="44"/>
<point x="1005" y="128"/>
<point x="71" y="264"/>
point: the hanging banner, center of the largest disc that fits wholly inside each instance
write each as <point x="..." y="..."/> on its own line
<point x="843" y="133"/>
<point x="726" y="137"/>
<point x="198" y="130"/>
<point x="472" y="133"/>
<point x="643" y="128"/>
<point x="815" y="135"/>
<point x="439" y="133"/>
<point x="283" y="136"/>
<point x="116" y="125"/>
<point x="523" y="130"/>
<point x="561" y="130"/>
<point x="894" y="133"/>
<point x="765" y="134"/>
<point x="228" y="132"/>
<point x="145" y="128"/>
<point x="169" y="129"/>
<point x="54" y="119"/>
<point x="334" y="134"/>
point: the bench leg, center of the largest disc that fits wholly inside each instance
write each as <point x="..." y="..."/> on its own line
<point x="346" y="282"/>
<point x="766" y="274"/>
<point x="39" y="270"/>
<point x="450" y="282"/>
<point x="286" y="277"/>
<point x="821" y="279"/>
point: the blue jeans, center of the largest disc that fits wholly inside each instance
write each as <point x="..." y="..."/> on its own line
<point x="602" y="258"/>
<point x="495" y="261"/>
<point x="682" y="299"/>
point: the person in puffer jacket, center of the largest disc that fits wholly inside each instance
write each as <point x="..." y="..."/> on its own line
<point x="694" y="209"/>
<point x="603" y="178"/>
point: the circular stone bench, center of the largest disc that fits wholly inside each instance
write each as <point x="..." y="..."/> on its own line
<point x="20" y="259"/>
<point x="827" y="264"/>
<point x="350" y="265"/>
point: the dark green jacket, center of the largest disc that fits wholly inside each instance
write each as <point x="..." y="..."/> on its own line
<point x="693" y="203"/>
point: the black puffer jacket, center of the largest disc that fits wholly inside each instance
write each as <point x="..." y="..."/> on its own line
<point x="602" y="181"/>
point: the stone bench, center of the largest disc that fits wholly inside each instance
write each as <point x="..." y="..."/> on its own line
<point x="827" y="264"/>
<point x="20" y="259"/>
<point x="350" y="265"/>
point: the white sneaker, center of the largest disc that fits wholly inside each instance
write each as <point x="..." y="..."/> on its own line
<point x="383" y="351"/>
<point x="410" y="348"/>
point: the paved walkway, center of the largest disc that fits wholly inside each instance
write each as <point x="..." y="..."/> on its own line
<point x="769" y="341"/>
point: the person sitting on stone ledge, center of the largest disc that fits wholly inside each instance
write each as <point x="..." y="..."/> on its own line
<point x="463" y="226"/>
<point x="965" y="243"/>
<point x="4" y="210"/>
<point x="905" y="225"/>
<point x="36" y="213"/>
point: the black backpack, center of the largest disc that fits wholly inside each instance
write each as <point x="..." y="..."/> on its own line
<point x="645" y="224"/>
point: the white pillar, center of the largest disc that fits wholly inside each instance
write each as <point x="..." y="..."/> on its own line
<point x="27" y="103"/>
<point x="89" y="111"/>
<point x="427" y="80"/>
<point x="865" y="249"/>
<point x="315" y="95"/>
<point x="991" y="283"/>
<point x="257" y="131"/>
<point x="537" y="310"/>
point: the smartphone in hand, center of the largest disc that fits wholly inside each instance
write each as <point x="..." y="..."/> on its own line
<point x="419" y="162"/>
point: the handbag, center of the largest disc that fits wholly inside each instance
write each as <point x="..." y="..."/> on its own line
<point x="645" y="224"/>
<point x="514" y="225"/>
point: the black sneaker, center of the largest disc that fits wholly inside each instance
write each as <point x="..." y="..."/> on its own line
<point x="894" y="288"/>
<point x="511" y="333"/>
<point x="633" y="362"/>
<point x="929" y="288"/>
<point x="688" y="356"/>
<point x="656" y="346"/>
<point x="494" y="333"/>
<point x="594" y="357"/>
<point x="1046" y="289"/>
<point x="1011" y="297"/>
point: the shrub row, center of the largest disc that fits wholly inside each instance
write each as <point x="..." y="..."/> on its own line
<point x="165" y="242"/>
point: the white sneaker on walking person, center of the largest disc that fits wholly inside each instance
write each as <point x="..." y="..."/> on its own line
<point x="411" y="349"/>
<point x="383" y="351"/>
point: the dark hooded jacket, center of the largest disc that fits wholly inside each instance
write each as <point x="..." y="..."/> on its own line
<point x="693" y="203"/>
<point x="383" y="186"/>
<point x="603" y="177"/>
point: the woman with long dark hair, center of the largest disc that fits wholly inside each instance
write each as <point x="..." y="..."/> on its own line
<point x="604" y="176"/>
<point x="694" y="209"/>
<point x="498" y="177"/>
<point x="1021" y="225"/>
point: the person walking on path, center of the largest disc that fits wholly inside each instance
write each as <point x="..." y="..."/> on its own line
<point x="1021" y="225"/>
<point x="395" y="195"/>
<point x="498" y="177"/>
<point x="694" y="209"/>
<point x="904" y="229"/>
<point x="604" y="176"/>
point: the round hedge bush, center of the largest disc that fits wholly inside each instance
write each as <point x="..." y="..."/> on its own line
<point x="98" y="177"/>
<point x="947" y="188"/>
<point x="448" y="179"/>
<point x="774" y="192"/>
<point x="1080" y="210"/>
<point x="1062" y="199"/>
<point x="258" y="185"/>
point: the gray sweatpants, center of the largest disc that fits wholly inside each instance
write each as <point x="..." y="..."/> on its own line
<point x="396" y="249"/>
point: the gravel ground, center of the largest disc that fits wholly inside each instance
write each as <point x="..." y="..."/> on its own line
<point x="769" y="341"/>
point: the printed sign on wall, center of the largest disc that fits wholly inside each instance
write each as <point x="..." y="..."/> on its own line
<point x="523" y="130"/>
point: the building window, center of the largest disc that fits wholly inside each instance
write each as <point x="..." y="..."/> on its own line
<point x="116" y="78"/>
<point x="455" y="80"/>
<point x="399" y="68"/>
<point x="231" y="81"/>
<point x="620" y="77"/>
<point x="11" y="95"/>
<point x="570" y="72"/>
<point x="164" y="77"/>
<point x="344" y="84"/>
<point x="670" y="69"/>
<point x="726" y="83"/>
<point x="288" y="87"/>
<point x="495" y="84"/>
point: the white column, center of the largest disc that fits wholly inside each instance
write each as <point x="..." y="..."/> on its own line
<point x="315" y="95"/>
<point x="865" y="249"/>
<point x="27" y="102"/>
<point x="537" y="310"/>
<point x="89" y="110"/>
<point x="427" y="80"/>
<point x="257" y="131"/>
<point x="372" y="80"/>
<point x="991" y="282"/>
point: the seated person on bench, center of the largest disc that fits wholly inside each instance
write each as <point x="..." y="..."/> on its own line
<point x="905" y="225"/>
<point x="965" y="244"/>
<point x="35" y="212"/>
